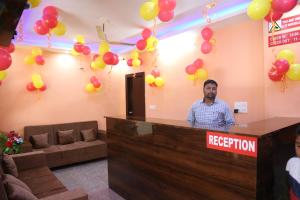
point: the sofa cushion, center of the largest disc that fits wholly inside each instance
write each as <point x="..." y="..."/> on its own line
<point x="16" y="192"/>
<point x="88" y="135"/>
<point x="9" y="166"/>
<point x="39" y="141"/>
<point x="65" y="137"/>
<point x="9" y="179"/>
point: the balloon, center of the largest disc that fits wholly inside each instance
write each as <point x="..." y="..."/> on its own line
<point x="191" y="77"/>
<point x="86" y="50"/>
<point x="258" y="9"/>
<point x="274" y="75"/>
<point x="273" y="16"/>
<point x="3" y="75"/>
<point x="36" y="51"/>
<point x="129" y="62"/>
<point x="283" y="6"/>
<point x="36" y="77"/>
<point x="141" y="44"/>
<point x="165" y="16"/>
<point x="116" y="59"/>
<point x="201" y="74"/>
<point x="30" y="87"/>
<point x="59" y="30"/>
<point x="146" y="33"/>
<point x="5" y="59"/>
<point x="79" y="38"/>
<point x="191" y="69"/>
<point x="99" y="63"/>
<point x="286" y="54"/>
<point x="282" y="66"/>
<point x="149" y="79"/>
<point x="29" y="60"/>
<point x="136" y="62"/>
<point x="159" y="82"/>
<point x="155" y="73"/>
<point x="40" y="60"/>
<point x="149" y="10"/>
<point x="206" y="47"/>
<point x="167" y="5"/>
<point x="294" y="72"/>
<point x="93" y="78"/>
<point x="152" y="85"/>
<point x="89" y="88"/>
<point x="103" y="48"/>
<point x="41" y="28"/>
<point x="0" y="83"/>
<point x="10" y="48"/>
<point x="198" y="63"/>
<point x="78" y="47"/>
<point x="38" y="84"/>
<point x="43" y="88"/>
<point x="207" y="33"/>
<point x="134" y="54"/>
<point x="50" y="21"/>
<point x="108" y="58"/>
<point x="50" y="10"/>
<point x="96" y="84"/>
<point x="151" y="43"/>
<point x="34" y="3"/>
<point x="95" y="57"/>
<point x="74" y="52"/>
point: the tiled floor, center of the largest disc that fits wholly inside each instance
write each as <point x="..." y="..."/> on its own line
<point x="91" y="176"/>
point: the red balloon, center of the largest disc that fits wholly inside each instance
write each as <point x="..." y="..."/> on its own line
<point x="282" y="66"/>
<point x="141" y="44"/>
<point x="78" y="47"/>
<point x="146" y="33"/>
<point x="273" y="15"/>
<point x="191" y="69"/>
<point x="116" y="59"/>
<point x="155" y="72"/>
<point x="41" y="28"/>
<point x="274" y="75"/>
<point x="39" y="60"/>
<point x="5" y="59"/>
<point x="96" y="84"/>
<point x="10" y="48"/>
<point x="93" y="78"/>
<point x="165" y="16"/>
<point x="43" y="88"/>
<point x="108" y="58"/>
<point x="206" y="47"/>
<point x="50" y="10"/>
<point x="129" y="62"/>
<point x="50" y="21"/>
<point x="86" y="50"/>
<point x="152" y="84"/>
<point x="283" y="6"/>
<point x="207" y="33"/>
<point x="167" y="5"/>
<point x="198" y="63"/>
<point x="30" y="87"/>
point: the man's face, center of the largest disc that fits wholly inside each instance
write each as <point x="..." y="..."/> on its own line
<point x="210" y="91"/>
<point x="297" y="146"/>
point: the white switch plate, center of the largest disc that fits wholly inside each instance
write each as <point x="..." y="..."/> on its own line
<point x="152" y="107"/>
<point x="242" y="106"/>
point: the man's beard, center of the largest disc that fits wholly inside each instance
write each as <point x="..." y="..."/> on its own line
<point x="210" y="96"/>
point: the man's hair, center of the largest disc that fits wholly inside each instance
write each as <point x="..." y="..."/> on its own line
<point x="209" y="81"/>
<point x="298" y="131"/>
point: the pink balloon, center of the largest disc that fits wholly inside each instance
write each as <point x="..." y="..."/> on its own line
<point x="86" y="50"/>
<point x="96" y="84"/>
<point x="78" y="47"/>
<point x="39" y="60"/>
<point x="274" y="75"/>
<point x="141" y="44"/>
<point x="191" y="69"/>
<point x="30" y="87"/>
<point x="129" y="62"/>
<point x="198" y="63"/>
<point x="167" y="5"/>
<point x="43" y="88"/>
<point x="282" y="66"/>
<point x="283" y="6"/>
<point x="50" y="10"/>
<point x="41" y="28"/>
<point x="93" y="78"/>
<point x="206" y="47"/>
<point x="207" y="33"/>
<point x="146" y="33"/>
<point x="50" y="21"/>
<point x="108" y="58"/>
<point x="5" y="59"/>
<point x="165" y="16"/>
<point x="155" y="73"/>
<point x="273" y="15"/>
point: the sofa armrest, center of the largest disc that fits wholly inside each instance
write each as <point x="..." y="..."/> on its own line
<point x="26" y="147"/>
<point x="30" y="160"/>
<point x="101" y="135"/>
<point x="76" y="194"/>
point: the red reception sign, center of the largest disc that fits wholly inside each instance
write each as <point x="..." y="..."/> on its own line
<point x="232" y="143"/>
<point x="284" y="38"/>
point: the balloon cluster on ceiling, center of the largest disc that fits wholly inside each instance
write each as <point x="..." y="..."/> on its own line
<point x="154" y="79"/>
<point x="94" y="85"/>
<point x="207" y="45"/>
<point x="163" y="9"/>
<point x="36" y="57"/>
<point x="79" y="46"/>
<point x="195" y="71"/>
<point x="5" y="60"/>
<point x="36" y="84"/>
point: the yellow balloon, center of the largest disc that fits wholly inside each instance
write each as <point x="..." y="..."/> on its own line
<point x="38" y="84"/>
<point x="93" y="65"/>
<point x="286" y="54"/>
<point x="151" y="43"/>
<point x="154" y="1"/>
<point x="191" y="77"/>
<point x="134" y="54"/>
<point x="136" y="62"/>
<point x="103" y="48"/>
<point x="149" y="79"/>
<point x="159" y="82"/>
<point x="34" y="3"/>
<point x="36" y="51"/>
<point x="149" y="10"/>
<point x="79" y="38"/>
<point x="258" y="9"/>
<point x="29" y="60"/>
<point x="294" y="72"/>
<point x="59" y="30"/>
<point x="74" y="52"/>
<point x="3" y="75"/>
<point x="100" y="64"/>
<point x="89" y="87"/>
<point x="36" y="77"/>
<point x="201" y="74"/>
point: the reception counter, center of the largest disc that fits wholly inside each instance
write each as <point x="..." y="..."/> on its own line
<point x="169" y="160"/>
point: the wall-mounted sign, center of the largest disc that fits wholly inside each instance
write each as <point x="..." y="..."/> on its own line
<point x="285" y="23"/>
<point x="232" y="143"/>
<point x="284" y="38"/>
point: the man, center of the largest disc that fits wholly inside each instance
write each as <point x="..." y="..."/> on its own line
<point x="210" y="110"/>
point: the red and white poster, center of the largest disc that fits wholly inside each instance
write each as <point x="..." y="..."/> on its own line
<point x="243" y="145"/>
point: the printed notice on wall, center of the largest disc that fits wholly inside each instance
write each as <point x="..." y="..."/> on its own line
<point x="232" y="143"/>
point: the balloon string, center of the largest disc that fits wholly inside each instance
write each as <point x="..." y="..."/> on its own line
<point x="49" y="40"/>
<point x="283" y="83"/>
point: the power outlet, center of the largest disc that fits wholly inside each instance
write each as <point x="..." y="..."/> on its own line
<point x="152" y="107"/>
<point x="241" y="106"/>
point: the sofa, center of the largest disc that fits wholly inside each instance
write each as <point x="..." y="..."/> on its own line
<point x="78" y="150"/>
<point x="34" y="172"/>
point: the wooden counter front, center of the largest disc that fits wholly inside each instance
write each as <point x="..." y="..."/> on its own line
<point x="169" y="160"/>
